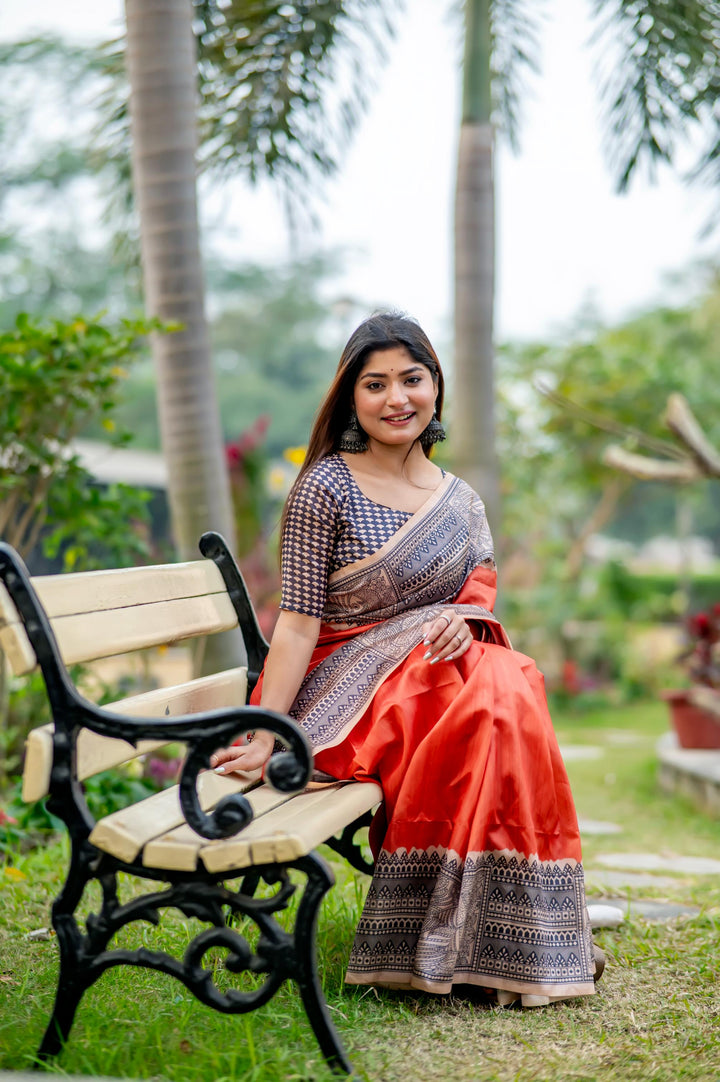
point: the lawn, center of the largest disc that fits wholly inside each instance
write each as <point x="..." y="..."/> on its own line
<point x="656" y="1014"/>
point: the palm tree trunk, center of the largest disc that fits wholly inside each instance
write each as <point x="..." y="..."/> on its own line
<point x="162" y="72"/>
<point x="474" y="393"/>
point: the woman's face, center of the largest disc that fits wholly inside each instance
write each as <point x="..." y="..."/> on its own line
<point x="394" y="397"/>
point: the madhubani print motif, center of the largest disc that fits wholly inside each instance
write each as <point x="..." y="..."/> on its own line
<point x="424" y="563"/>
<point x="436" y="919"/>
<point x="336" y="693"/>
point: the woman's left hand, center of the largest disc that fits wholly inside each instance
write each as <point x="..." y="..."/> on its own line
<point x="446" y="636"/>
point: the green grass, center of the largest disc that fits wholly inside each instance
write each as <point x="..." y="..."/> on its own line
<point x="656" y="1015"/>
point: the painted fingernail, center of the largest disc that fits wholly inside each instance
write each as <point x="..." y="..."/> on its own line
<point x="219" y="769"/>
<point x="434" y="660"/>
<point x="427" y="655"/>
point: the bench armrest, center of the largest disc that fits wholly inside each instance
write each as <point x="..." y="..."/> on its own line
<point x="203" y="733"/>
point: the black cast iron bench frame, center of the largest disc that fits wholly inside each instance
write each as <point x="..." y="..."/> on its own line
<point x="218" y="898"/>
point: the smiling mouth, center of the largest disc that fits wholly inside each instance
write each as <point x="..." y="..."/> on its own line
<point x="399" y="418"/>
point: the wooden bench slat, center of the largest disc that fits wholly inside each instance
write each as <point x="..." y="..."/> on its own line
<point x="124" y="833"/>
<point x="293" y="829"/>
<point x="98" y="614"/>
<point x="86" y="637"/>
<point x="96" y="753"/>
<point x="179" y="848"/>
<point x="95" y="591"/>
<point x="13" y="637"/>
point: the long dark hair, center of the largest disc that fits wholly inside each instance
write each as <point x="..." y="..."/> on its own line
<point x="384" y="330"/>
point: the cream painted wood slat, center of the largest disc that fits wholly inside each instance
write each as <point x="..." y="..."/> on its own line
<point x="96" y="753"/>
<point x="94" y="591"/>
<point x="294" y="829"/>
<point x="133" y="608"/>
<point x="13" y="637"/>
<point x="87" y="636"/>
<point x="179" y="848"/>
<point x="124" y="833"/>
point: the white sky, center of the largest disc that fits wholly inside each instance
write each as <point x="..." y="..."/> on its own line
<point x="565" y="240"/>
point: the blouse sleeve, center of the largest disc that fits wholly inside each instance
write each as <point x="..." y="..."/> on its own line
<point x="307" y="546"/>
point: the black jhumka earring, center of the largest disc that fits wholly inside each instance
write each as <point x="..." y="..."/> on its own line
<point x="434" y="433"/>
<point x="353" y="439"/>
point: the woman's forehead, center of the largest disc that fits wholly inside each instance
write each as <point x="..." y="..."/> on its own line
<point x="388" y="361"/>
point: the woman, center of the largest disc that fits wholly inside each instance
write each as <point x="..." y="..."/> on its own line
<point x="387" y="654"/>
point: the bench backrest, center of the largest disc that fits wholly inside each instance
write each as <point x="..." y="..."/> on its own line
<point x="99" y="614"/>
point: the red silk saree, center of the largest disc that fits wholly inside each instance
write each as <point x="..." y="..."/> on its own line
<point x="478" y="876"/>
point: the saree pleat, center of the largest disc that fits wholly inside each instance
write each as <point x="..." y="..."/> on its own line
<point x="478" y="875"/>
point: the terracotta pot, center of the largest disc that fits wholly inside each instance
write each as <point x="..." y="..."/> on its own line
<point x="695" y="727"/>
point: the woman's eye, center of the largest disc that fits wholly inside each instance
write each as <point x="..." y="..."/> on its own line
<point x="413" y="379"/>
<point x="373" y="386"/>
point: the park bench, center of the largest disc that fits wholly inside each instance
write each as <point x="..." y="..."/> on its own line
<point x="204" y="846"/>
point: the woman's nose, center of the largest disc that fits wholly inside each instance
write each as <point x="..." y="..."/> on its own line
<point x="396" y="394"/>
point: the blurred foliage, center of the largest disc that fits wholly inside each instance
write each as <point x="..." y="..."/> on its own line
<point x="611" y="379"/>
<point x="54" y="378"/>
<point x="32" y="824"/>
<point x="56" y="258"/>
<point x="276" y="342"/>
<point x="281" y="89"/>
<point x="246" y="463"/>
<point x="27" y="707"/>
<point x="660" y="80"/>
<point x="282" y="86"/>
<point x="557" y="492"/>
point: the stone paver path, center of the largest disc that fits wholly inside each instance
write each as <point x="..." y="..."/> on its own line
<point x="574" y="752"/>
<point x="647" y="908"/>
<point x="598" y="826"/>
<point x="601" y="877"/>
<point x="652" y="862"/>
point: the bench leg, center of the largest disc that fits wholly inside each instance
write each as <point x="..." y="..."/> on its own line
<point x="319" y="881"/>
<point x="69" y="989"/>
<point x="73" y="978"/>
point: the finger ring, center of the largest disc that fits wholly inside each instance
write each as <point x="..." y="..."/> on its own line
<point x="459" y="640"/>
<point x="442" y="616"/>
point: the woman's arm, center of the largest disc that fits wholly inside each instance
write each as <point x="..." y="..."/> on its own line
<point x="291" y="648"/>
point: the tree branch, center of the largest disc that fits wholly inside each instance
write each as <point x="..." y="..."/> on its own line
<point x="602" y="514"/>
<point x="680" y="419"/>
<point x="651" y="469"/>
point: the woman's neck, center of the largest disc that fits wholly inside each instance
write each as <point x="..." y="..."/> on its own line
<point x="383" y="460"/>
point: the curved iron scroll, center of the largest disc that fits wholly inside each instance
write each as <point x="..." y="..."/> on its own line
<point x="272" y="956"/>
<point x="347" y="847"/>
<point x="287" y="772"/>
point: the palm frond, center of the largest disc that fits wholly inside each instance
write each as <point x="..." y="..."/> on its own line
<point x="282" y="85"/>
<point x="515" y="28"/>
<point x="707" y="171"/>
<point x="281" y="88"/>
<point x="660" y="76"/>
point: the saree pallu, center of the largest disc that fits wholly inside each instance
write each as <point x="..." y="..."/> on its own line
<point x="478" y="876"/>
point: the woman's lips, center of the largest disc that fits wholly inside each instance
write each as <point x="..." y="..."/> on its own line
<point x="399" y="418"/>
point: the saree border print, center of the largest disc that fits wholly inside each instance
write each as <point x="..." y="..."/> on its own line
<point x="500" y="919"/>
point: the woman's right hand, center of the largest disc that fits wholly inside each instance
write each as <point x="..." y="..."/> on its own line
<point x="244" y="757"/>
<point x="291" y="648"/>
<point x="447" y="636"/>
